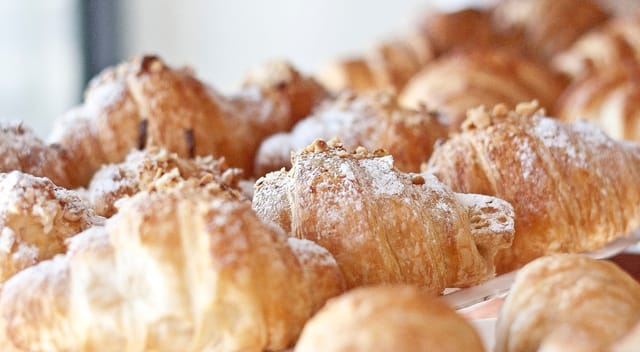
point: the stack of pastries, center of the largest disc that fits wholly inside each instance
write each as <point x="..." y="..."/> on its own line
<point x="330" y="212"/>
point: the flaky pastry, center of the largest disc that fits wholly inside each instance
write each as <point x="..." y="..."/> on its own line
<point x="573" y="188"/>
<point x="189" y="268"/>
<point x="393" y="318"/>
<point x="373" y="120"/>
<point x="384" y="226"/>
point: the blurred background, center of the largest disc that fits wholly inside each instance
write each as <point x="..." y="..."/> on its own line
<point x="50" y="49"/>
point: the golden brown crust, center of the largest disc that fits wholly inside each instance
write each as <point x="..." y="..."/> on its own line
<point x="22" y="150"/>
<point x="463" y="81"/>
<point x="614" y="43"/>
<point x="145" y="102"/>
<point x="373" y="120"/>
<point x="568" y="297"/>
<point x="572" y="187"/>
<point x="190" y="268"/>
<point x="142" y="169"/>
<point x="36" y="217"/>
<point x="392" y="318"/>
<point x="548" y="26"/>
<point x="610" y="99"/>
<point x="409" y="227"/>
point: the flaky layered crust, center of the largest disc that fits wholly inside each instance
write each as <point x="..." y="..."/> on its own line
<point x="384" y="226"/>
<point x="572" y="187"/>
<point x="145" y="102"/>
<point x="568" y="302"/>
<point x="453" y="84"/>
<point x="373" y="120"/>
<point x="392" y="318"/>
<point x="610" y="99"/>
<point x="189" y="268"/>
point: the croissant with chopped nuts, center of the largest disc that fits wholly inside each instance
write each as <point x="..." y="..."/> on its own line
<point x="458" y="82"/>
<point x="188" y="268"/>
<point x="373" y="120"/>
<point x="142" y="169"/>
<point x="36" y="217"/>
<point x="146" y="102"/>
<point x="568" y="302"/>
<point x="384" y="226"/>
<point x="572" y="187"/>
<point x="394" y="318"/>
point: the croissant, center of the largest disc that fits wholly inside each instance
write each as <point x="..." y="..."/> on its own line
<point x="394" y="318"/>
<point x="609" y="99"/>
<point x="142" y="169"/>
<point x="630" y="341"/>
<point x="145" y="102"/>
<point x="189" y="268"/>
<point x="547" y="27"/>
<point x="22" y="150"/>
<point x="372" y="120"/>
<point x="570" y="301"/>
<point x="387" y="65"/>
<point x="615" y="42"/>
<point x="393" y="62"/>
<point x="36" y="217"/>
<point x="572" y="188"/>
<point x="409" y="227"/>
<point x="458" y="82"/>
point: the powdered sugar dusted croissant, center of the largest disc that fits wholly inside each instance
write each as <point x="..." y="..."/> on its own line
<point x="611" y="45"/>
<point x="458" y="82"/>
<point x="382" y="225"/>
<point x="146" y="102"/>
<point x="568" y="302"/>
<point x="572" y="187"/>
<point x="373" y="120"/>
<point x="36" y="217"/>
<point x="22" y="150"/>
<point x="141" y="170"/>
<point x="393" y="318"/>
<point x="190" y="268"/>
<point x="610" y="99"/>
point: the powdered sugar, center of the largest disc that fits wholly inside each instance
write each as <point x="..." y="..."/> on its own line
<point x="384" y="179"/>
<point x="555" y="137"/>
<point x="525" y="155"/>
<point x="311" y="252"/>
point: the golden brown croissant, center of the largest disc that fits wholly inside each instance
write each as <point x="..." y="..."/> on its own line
<point x="614" y="43"/>
<point x="384" y="226"/>
<point x="547" y="26"/>
<point x="190" y="268"/>
<point x="392" y="318"/>
<point x="145" y="102"/>
<point x="142" y="169"/>
<point x="388" y="65"/>
<point x="373" y="120"/>
<point x="22" y="150"/>
<point x="392" y="63"/>
<point x="568" y="302"/>
<point x="572" y="187"/>
<point x="36" y="217"/>
<point x="462" y="81"/>
<point x="609" y="99"/>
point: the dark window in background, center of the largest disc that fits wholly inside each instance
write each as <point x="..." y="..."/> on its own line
<point x="99" y="34"/>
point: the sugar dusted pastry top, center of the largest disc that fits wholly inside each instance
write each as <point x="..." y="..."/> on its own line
<point x="36" y="218"/>
<point x="572" y="187"/>
<point x="142" y="169"/>
<point x="373" y="120"/>
<point x="408" y="226"/>
<point x="22" y="150"/>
